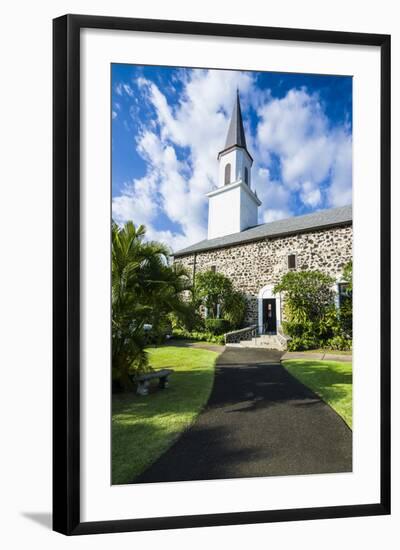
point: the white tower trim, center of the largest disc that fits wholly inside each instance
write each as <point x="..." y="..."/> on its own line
<point x="233" y="206"/>
<point x="232" y="209"/>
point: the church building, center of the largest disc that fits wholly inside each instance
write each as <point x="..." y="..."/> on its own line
<point x="255" y="256"/>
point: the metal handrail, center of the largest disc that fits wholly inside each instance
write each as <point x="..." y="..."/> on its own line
<point x="257" y="332"/>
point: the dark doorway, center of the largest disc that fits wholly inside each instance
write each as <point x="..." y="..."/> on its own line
<point x="269" y="316"/>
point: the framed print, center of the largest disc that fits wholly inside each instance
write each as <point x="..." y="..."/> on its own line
<point x="221" y="274"/>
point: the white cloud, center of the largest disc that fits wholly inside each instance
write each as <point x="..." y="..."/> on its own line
<point x="128" y="90"/>
<point x="124" y="87"/>
<point x="275" y="197"/>
<point x="136" y="201"/>
<point x="199" y="124"/>
<point x="294" y="130"/>
<point x="274" y="214"/>
<point x="340" y="190"/>
<point x="310" y="195"/>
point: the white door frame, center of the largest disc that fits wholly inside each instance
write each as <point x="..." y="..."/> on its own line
<point x="268" y="292"/>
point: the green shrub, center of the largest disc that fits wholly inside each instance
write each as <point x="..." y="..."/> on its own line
<point x="346" y="318"/>
<point x="298" y="329"/>
<point x="208" y="337"/>
<point x="191" y="320"/>
<point x="312" y="320"/>
<point x="340" y="343"/>
<point x="211" y="289"/>
<point x="346" y="307"/>
<point x="303" y="343"/>
<point x="303" y="334"/>
<point x="235" y="309"/>
<point x="217" y="326"/>
<point x="180" y="334"/>
<point x="313" y="334"/>
<point x="348" y="275"/>
<point x="308" y="295"/>
<point x="215" y="291"/>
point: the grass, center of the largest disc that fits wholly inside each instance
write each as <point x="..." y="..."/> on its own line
<point x="144" y="427"/>
<point x="331" y="380"/>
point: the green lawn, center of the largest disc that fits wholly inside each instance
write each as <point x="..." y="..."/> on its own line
<point x="331" y="380"/>
<point x="143" y="427"/>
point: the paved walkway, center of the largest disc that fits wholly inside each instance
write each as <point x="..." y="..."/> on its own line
<point x="259" y="421"/>
<point x="317" y="356"/>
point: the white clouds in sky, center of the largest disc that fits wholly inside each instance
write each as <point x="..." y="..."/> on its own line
<point x="310" y="152"/>
<point x="199" y="124"/>
<point x="315" y="159"/>
<point x="123" y="87"/>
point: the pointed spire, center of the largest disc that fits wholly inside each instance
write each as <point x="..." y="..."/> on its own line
<point x="236" y="134"/>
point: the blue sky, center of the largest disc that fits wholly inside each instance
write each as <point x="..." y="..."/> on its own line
<point x="168" y="125"/>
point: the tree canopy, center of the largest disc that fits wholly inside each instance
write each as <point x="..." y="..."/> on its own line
<point x="308" y="294"/>
<point x="348" y="275"/>
<point x="145" y="289"/>
<point x="311" y="318"/>
<point x="213" y="289"/>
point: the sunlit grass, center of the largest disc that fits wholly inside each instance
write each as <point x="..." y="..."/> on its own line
<point x="331" y="380"/>
<point x="144" y="427"/>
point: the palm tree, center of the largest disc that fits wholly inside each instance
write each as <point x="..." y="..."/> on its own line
<point x="144" y="290"/>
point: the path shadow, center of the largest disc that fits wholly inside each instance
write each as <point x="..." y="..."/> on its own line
<point x="249" y="356"/>
<point x="214" y="449"/>
<point x="259" y="421"/>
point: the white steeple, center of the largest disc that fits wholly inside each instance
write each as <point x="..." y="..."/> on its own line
<point x="233" y="205"/>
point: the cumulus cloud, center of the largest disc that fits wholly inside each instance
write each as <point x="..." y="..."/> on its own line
<point x="310" y="195"/>
<point x="313" y="155"/>
<point x="340" y="189"/>
<point x="180" y="142"/>
<point x="275" y="197"/>
<point x="137" y="201"/>
<point x="197" y="124"/>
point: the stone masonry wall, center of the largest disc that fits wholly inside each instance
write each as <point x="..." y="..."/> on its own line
<point x="251" y="266"/>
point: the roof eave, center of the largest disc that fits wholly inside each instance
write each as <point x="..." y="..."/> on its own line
<point x="264" y="237"/>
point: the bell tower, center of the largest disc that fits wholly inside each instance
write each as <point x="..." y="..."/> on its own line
<point x="233" y="206"/>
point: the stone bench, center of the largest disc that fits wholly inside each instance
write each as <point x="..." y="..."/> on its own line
<point x="143" y="380"/>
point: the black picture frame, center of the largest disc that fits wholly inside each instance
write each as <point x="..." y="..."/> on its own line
<point x="66" y="273"/>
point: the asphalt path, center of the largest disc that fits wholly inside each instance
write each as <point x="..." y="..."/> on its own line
<point x="259" y="421"/>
